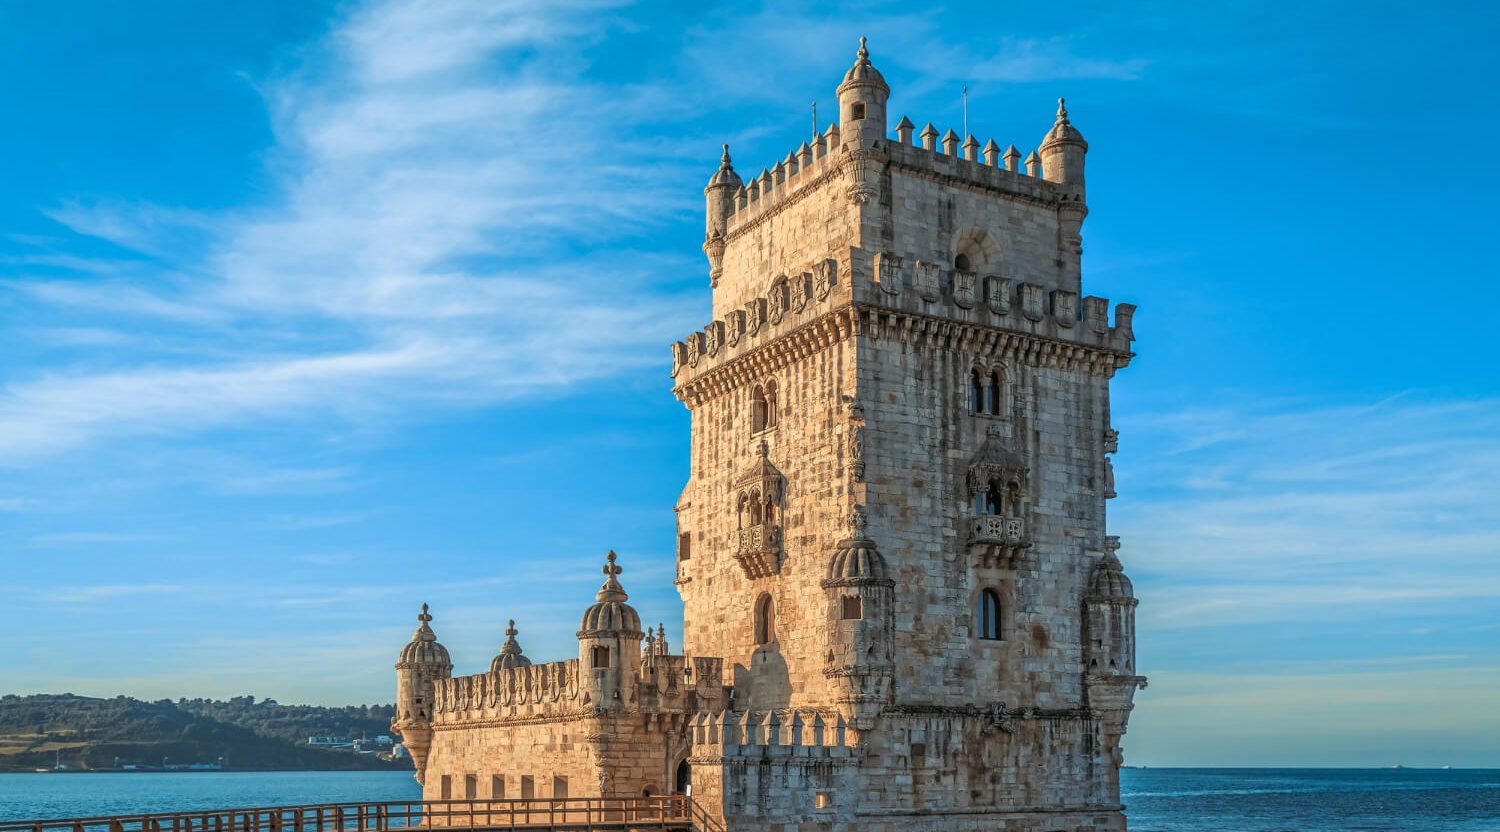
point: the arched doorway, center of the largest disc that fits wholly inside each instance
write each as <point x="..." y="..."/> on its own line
<point x="684" y="781"/>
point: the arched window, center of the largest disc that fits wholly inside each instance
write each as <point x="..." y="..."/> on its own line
<point x="988" y="623"/>
<point x="771" y="403"/>
<point x="765" y="620"/>
<point x="997" y="387"/>
<point x="858" y="110"/>
<point x="758" y="409"/>
<point x="976" y="391"/>
<point x="987" y="502"/>
<point x="961" y="262"/>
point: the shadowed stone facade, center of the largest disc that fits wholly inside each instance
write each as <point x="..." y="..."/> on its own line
<point x="902" y="609"/>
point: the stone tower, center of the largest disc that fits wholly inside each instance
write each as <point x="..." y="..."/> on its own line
<point x="894" y="522"/>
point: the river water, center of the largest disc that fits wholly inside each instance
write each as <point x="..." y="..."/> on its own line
<point x="1159" y="800"/>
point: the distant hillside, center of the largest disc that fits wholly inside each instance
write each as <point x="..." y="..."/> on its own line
<point x="89" y="733"/>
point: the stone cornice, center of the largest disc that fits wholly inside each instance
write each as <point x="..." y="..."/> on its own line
<point x="971" y="339"/>
<point x="812" y="337"/>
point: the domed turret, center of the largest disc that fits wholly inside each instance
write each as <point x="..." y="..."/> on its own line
<point x="1109" y="619"/>
<point x="423" y="661"/>
<point x="1063" y="150"/>
<point x="862" y="98"/>
<point x="510" y="652"/>
<point x="860" y="625"/>
<point x="609" y="643"/>
<point x="719" y="196"/>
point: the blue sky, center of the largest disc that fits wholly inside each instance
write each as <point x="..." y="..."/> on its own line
<point x="313" y="312"/>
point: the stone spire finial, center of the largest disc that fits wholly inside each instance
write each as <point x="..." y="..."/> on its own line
<point x="424" y="630"/>
<point x="611" y="590"/>
<point x="1062" y="111"/>
<point x="724" y="163"/>
<point x="510" y="655"/>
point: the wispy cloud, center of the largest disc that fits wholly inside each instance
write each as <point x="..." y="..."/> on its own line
<point x="92" y="538"/>
<point x="1267" y="511"/>
<point x="106" y="592"/>
<point x="430" y="242"/>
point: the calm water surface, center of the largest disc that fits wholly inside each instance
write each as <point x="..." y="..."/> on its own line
<point x="1160" y="800"/>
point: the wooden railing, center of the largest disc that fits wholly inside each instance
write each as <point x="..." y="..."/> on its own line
<point x="670" y="812"/>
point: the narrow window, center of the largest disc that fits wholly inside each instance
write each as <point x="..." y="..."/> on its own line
<point x="445" y="790"/>
<point x="497" y="787"/>
<point x="758" y="411"/>
<point x="997" y="388"/>
<point x="853" y="608"/>
<point x="559" y="787"/>
<point x="765" y="620"/>
<point x="976" y="392"/>
<point x="989" y="615"/>
<point x="685" y="546"/>
<point x="858" y="110"/>
<point x="823" y="800"/>
<point x="471" y="786"/>
<point x="528" y="787"/>
<point x="987" y="502"/>
<point x="961" y="262"/>
<point x="601" y="657"/>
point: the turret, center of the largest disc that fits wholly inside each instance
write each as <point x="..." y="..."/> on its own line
<point x="1109" y="655"/>
<point x="861" y="628"/>
<point x="609" y="644"/>
<point x="510" y="654"/>
<point x="1062" y="153"/>
<point x="719" y="198"/>
<point x="1109" y="622"/>
<point x="423" y="661"/>
<point x="862" y="98"/>
<point x="1063" y="150"/>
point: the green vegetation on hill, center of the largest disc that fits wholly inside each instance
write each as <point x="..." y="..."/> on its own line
<point x="88" y="733"/>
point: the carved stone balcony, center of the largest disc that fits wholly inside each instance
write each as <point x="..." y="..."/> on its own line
<point x="759" y="550"/>
<point x="998" y="541"/>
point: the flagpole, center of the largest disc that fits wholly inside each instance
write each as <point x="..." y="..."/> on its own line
<point x="966" y="112"/>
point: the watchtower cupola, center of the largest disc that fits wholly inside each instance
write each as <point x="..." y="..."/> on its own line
<point x="423" y="661"/>
<point x="862" y="98"/>
<point x="510" y="652"/>
<point x="609" y="643"/>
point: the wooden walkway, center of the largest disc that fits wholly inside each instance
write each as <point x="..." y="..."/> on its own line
<point x="677" y="813"/>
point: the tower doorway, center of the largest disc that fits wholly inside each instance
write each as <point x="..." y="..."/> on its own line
<point x="684" y="782"/>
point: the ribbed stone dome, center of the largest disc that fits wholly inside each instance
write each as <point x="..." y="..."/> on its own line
<point x="1109" y="580"/>
<point x="725" y="175"/>
<point x="856" y="561"/>
<point x="423" y="649"/>
<point x="1063" y="131"/>
<point x="611" y="614"/>
<point x="863" y="72"/>
<point x="510" y="652"/>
